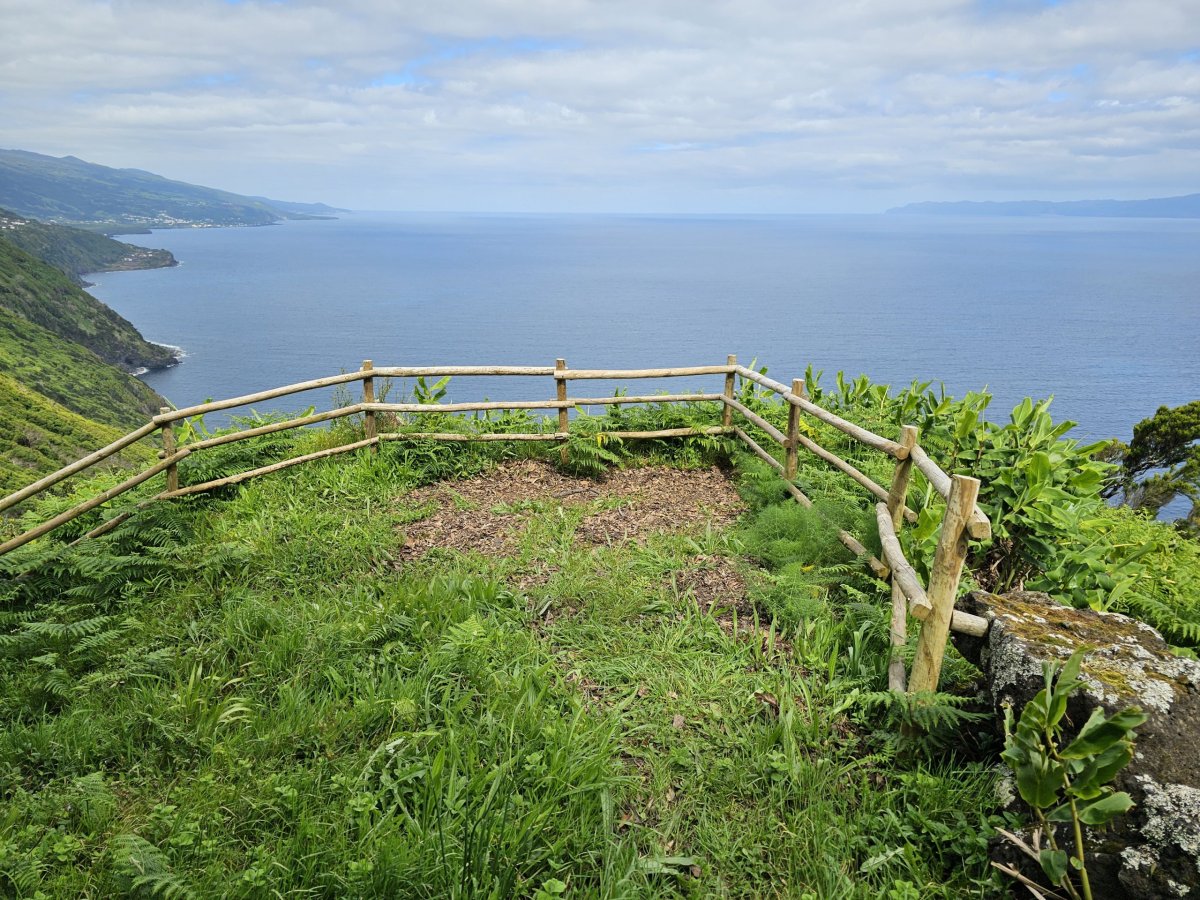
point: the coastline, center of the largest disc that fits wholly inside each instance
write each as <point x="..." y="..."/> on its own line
<point x="178" y="354"/>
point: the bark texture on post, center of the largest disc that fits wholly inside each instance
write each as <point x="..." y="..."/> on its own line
<point x="897" y="499"/>
<point x="943" y="583"/>
<point x="793" y="433"/>
<point x="727" y="412"/>
<point x="368" y="396"/>
<point x="560" y="385"/>
<point x="168" y="444"/>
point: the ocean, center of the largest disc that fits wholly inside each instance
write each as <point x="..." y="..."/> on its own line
<point x="1103" y="314"/>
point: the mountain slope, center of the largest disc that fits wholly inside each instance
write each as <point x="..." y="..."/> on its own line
<point x="76" y="252"/>
<point x="43" y="295"/>
<point x="71" y="375"/>
<point x="71" y="190"/>
<point x="1185" y="207"/>
<point x="38" y="436"/>
<point x="63" y="385"/>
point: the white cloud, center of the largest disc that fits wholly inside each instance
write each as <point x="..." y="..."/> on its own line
<point x="552" y="104"/>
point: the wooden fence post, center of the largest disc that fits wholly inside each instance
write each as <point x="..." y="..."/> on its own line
<point x="168" y="443"/>
<point x="793" y="433"/>
<point x="727" y="412"/>
<point x="368" y="395"/>
<point x="897" y="499"/>
<point x="560" y="385"/>
<point x="943" y="583"/>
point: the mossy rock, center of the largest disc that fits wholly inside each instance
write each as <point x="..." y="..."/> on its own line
<point x="1154" y="850"/>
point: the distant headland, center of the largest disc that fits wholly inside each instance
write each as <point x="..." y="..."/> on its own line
<point x="71" y="191"/>
<point x="1184" y="207"/>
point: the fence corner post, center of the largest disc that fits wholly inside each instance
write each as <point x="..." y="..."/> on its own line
<point x="943" y="583"/>
<point x="792" y="460"/>
<point x="897" y="499"/>
<point x="560" y="385"/>
<point x="168" y="444"/>
<point x="727" y="410"/>
<point x="368" y="396"/>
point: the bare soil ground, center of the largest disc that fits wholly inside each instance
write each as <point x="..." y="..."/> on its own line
<point x="484" y="513"/>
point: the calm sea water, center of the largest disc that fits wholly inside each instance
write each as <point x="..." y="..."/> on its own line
<point x="1102" y="313"/>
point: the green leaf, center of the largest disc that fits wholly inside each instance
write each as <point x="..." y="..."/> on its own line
<point x="1106" y="765"/>
<point x="1100" y="811"/>
<point x="1039" y="466"/>
<point x="1101" y="732"/>
<point x="1061" y="813"/>
<point x="1054" y="864"/>
<point x="1039" y="780"/>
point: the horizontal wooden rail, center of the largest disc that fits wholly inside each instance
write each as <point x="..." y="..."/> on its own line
<point x="649" y="398"/>
<point x="621" y="374"/>
<point x="460" y="437"/>
<point x="78" y="466"/>
<point x="978" y="525"/>
<point x="860" y="434"/>
<point x="838" y="463"/>
<point x="816" y="449"/>
<point x="966" y="623"/>
<point x="263" y="470"/>
<point x="778" y="436"/>
<point x="570" y="403"/>
<point x="246" y="399"/>
<point x="273" y="427"/>
<point x="88" y="505"/>
<point x="848" y="540"/>
<point x="468" y="438"/>
<point x="459" y="371"/>
<point x="480" y="406"/>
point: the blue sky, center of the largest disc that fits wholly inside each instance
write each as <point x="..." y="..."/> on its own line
<point x="646" y="106"/>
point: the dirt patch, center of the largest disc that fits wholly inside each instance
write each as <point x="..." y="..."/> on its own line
<point x="715" y="583"/>
<point x="662" y="499"/>
<point x="452" y="527"/>
<point x="484" y="514"/>
<point x="721" y="592"/>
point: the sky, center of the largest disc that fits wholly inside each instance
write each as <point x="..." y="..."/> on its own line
<point x="674" y="106"/>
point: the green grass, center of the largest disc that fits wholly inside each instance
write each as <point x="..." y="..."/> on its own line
<point x="244" y="696"/>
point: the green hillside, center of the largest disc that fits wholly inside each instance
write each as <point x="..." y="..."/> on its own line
<point x="72" y="375"/>
<point x="46" y="297"/>
<point x="71" y="190"/>
<point x="38" y="436"/>
<point x="76" y="252"/>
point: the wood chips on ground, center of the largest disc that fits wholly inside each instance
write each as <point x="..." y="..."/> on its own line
<point x="483" y="513"/>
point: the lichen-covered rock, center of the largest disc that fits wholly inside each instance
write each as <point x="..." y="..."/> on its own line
<point x="1154" y="850"/>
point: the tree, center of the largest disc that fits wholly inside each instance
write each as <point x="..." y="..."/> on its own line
<point x="1161" y="462"/>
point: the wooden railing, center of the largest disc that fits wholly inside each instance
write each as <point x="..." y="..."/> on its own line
<point x="933" y="605"/>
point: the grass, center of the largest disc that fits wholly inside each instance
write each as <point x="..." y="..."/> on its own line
<point x="243" y="696"/>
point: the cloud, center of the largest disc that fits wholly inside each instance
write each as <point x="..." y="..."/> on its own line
<point x="604" y="104"/>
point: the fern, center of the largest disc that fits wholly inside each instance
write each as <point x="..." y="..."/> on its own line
<point x="145" y="870"/>
<point x="929" y="722"/>
<point x="592" y="453"/>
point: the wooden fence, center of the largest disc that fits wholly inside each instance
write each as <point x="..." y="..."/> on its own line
<point x="932" y="605"/>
